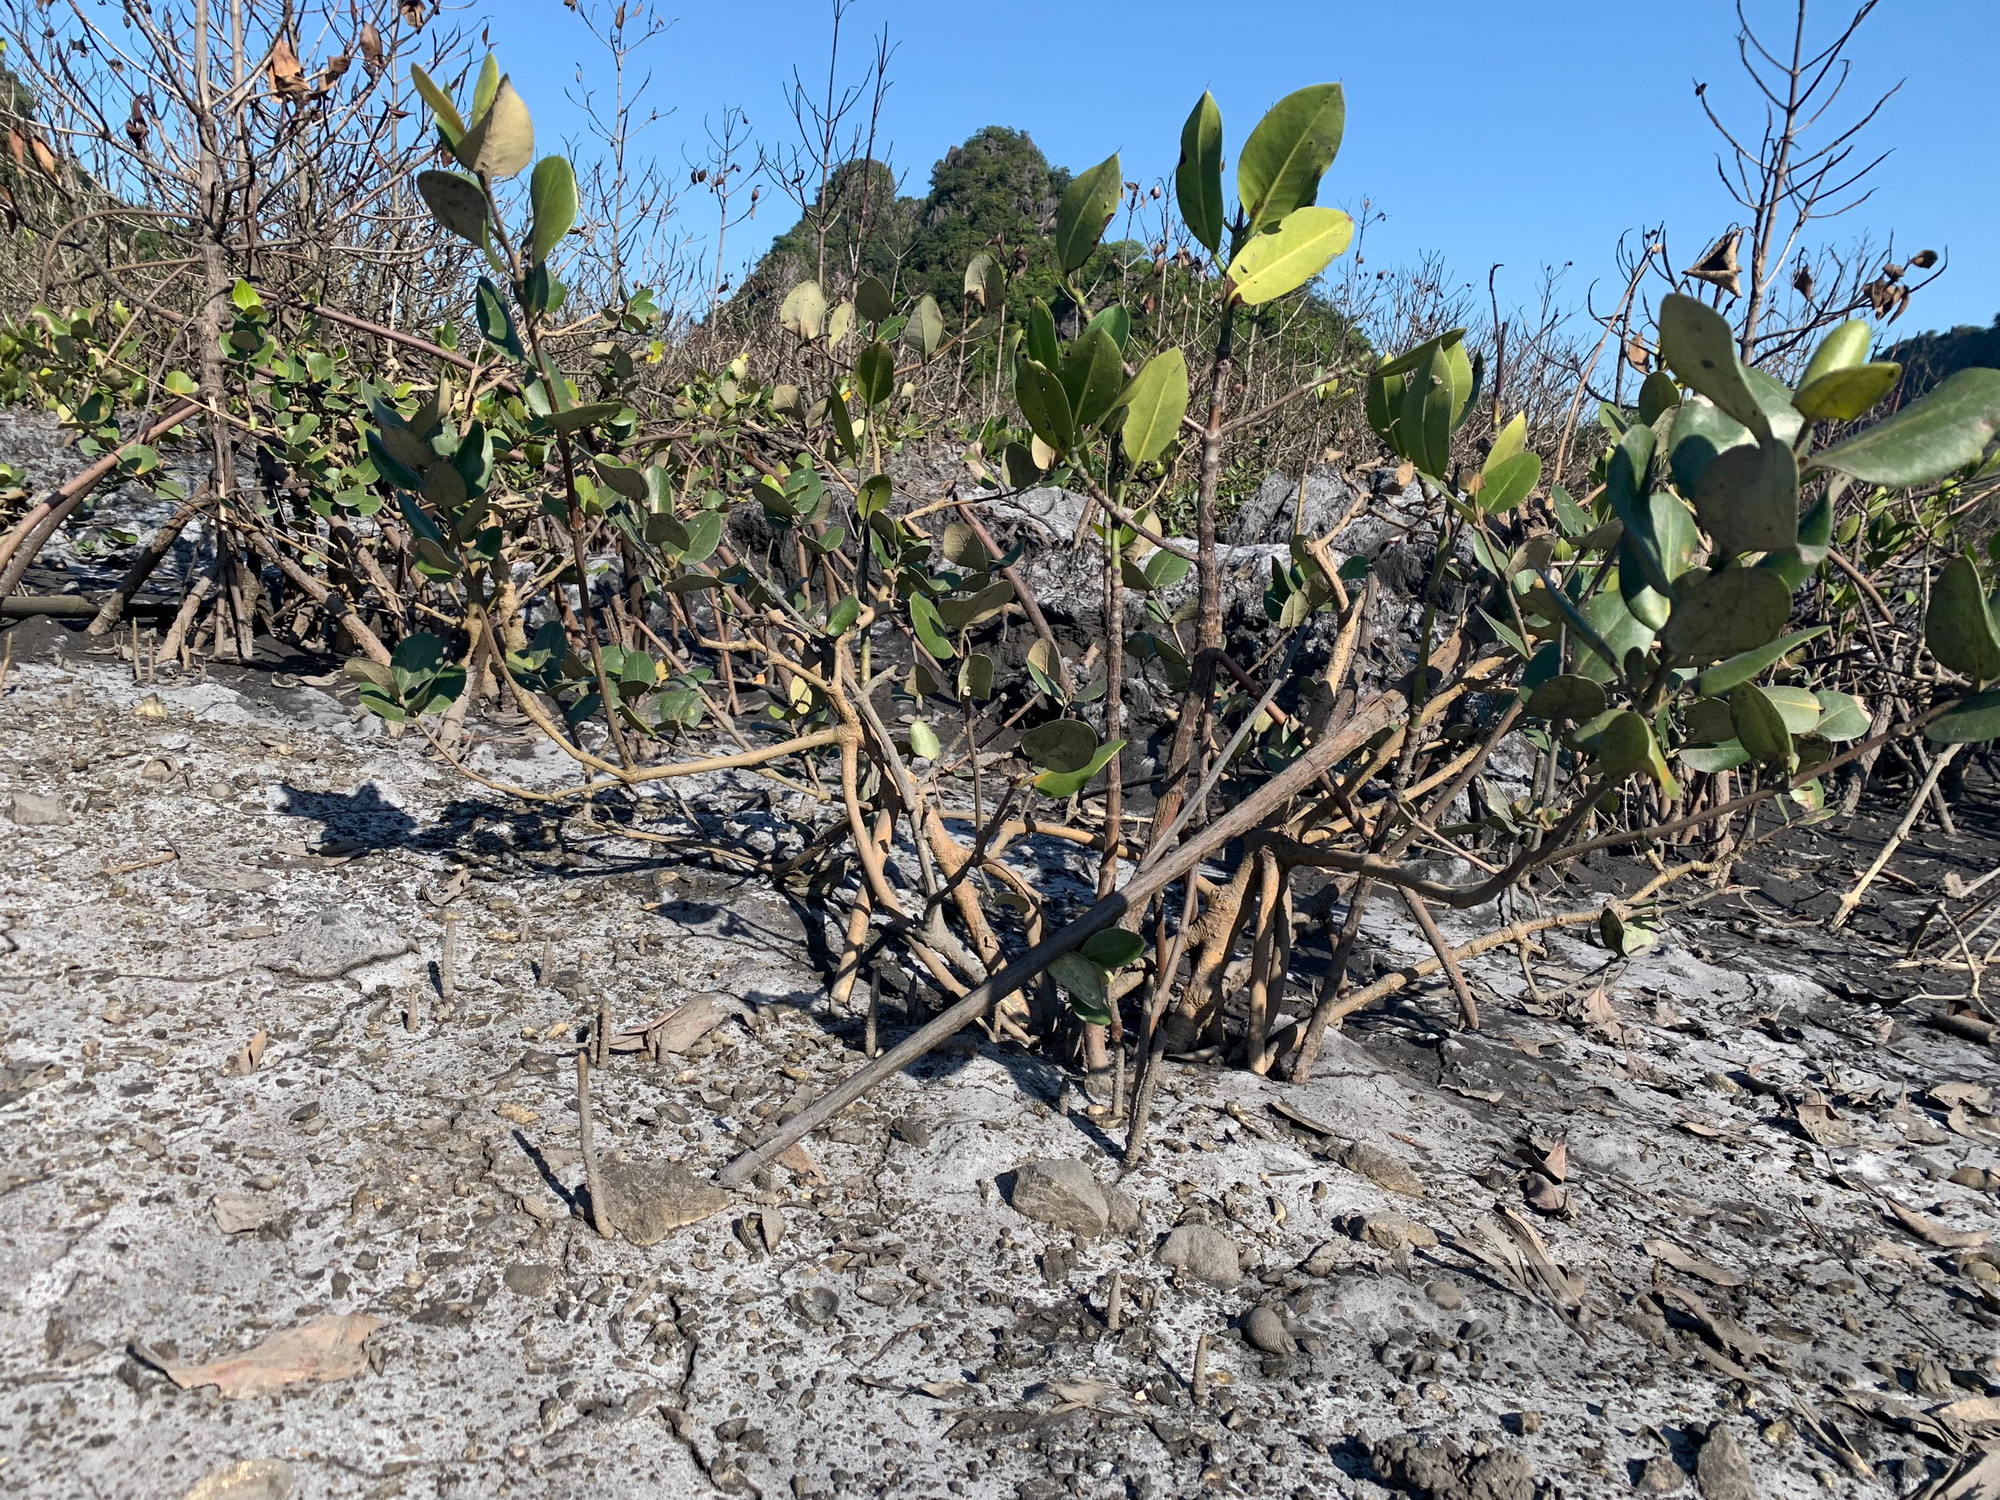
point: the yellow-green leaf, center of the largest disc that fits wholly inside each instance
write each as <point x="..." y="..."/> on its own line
<point x="1291" y="255"/>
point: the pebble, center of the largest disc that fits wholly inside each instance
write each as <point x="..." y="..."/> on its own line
<point x="530" y="1280"/>
<point x="645" y="1200"/>
<point x="239" y="1213"/>
<point x="1391" y="1232"/>
<point x="816" y="1304"/>
<point x="1381" y="1168"/>
<point x="1063" y="1193"/>
<point x="1721" y="1469"/>
<point x="1204" y="1252"/>
<point x="1266" y="1330"/>
<point x="1445" y="1294"/>
<point x="1659" y="1475"/>
<point x="252" y="1479"/>
<point x="33" y="810"/>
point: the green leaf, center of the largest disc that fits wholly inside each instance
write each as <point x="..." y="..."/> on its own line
<point x="1657" y="397"/>
<point x="1842" y="716"/>
<point x="552" y="192"/>
<point x="1841" y="349"/>
<point x="1060" y="784"/>
<point x="963" y="613"/>
<point x="1723" y="676"/>
<point x="1759" y="726"/>
<point x="1083" y="982"/>
<point x="1726" y="614"/>
<point x="1092" y="377"/>
<point x="1708" y="722"/>
<point x="1044" y="404"/>
<point x="1961" y="629"/>
<point x="455" y="202"/>
<point x="1154" y="403"/>
<point x="875" y="374"/>
<point x="803" y="312"/>
<point x="1698" y="345"/>
<point x="1087" y="206"/>
<point x="1292" y="253"/>
<point x="843" y="421"/>
<point x="1288" y="153"/>
<point x="1701" y="432"/>
<point x="1198" y="177"/>
<point x="876" y="492"/>
<point x="929" y="628"/>
<point x="975" y="676"/>
<point x="1796" y="706"/>
<point x="441" y="107"/>
<point x="1060" y="745"/>
<point x="1041" y="336"/>
<point x="923" y="740"/>
<point x="501" y="141"/>
<point x="1567" y="697"/>
<point x="1164" y="569"/>
<point x="1970" y="722"/>
<point x="1726" y="756"/>
<point x="496" y="325"/>
<point x="1843" y="395"/>
<point x="926" y="326"/>
<point x="1112" y="950"/>
<point x="1748" y="499"/>
<point x="1508" y="482"/>
<point x="588" y="415"/>
<point x="1945" y="430"/>
<point x="1116" y="321"/>
<point x="872" y="300"/>
<point x="1624" y="745"/>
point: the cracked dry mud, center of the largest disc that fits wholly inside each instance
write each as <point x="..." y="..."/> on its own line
<point x="235" y="1102"/>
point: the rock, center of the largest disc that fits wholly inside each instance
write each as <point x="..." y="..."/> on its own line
<point x="1266" y="1330"/>
<point x="645" y="1200"/>
<point x="1063" y="1193"/>
<point x="1445" y="1471"/>
<point x="1391" y="1232"/>
<point x="205" y="876"/>
<point x="33" y="810"/>
<point x="1124" y="1217"/>
<point x="1324" y="1261"/>
<point x="252" y="1479"/>
<point x="1381" y="1168"/>
<point x="1270" y="514"/>
<point x="1721" y="1469"/>
<point x="1201" y="1251"/>
<point x="334" y="943"/>
<point x="816" y="1304"/>
<point x="239" y="1213"/>
<point x="1445" y="1294"/>
<point x="1659" y="1475"/>
<point x="530" y="1280"/>
<point x="911" y="1131"/>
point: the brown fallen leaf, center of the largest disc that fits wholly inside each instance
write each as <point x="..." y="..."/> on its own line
<point x="1822" y="1126"/>
<point x="1671" y="1254"/>
<point x="1933" y="1233"/>
<point x="678" y="1029"/>
<point x="1975" y="1095"/>
<point x="795" y="1160"/>
<point x="1963" y="1124"/>
<point x="1977" y="1477"/>
<point x="247" y="1057"/>
<point x="327" y="1348"/>
<point x="1718" y="1328"/>
<point x="1973" y="1411"/>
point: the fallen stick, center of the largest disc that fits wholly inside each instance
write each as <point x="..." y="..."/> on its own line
<point x="1888" y="851"/>
<point x="76" y="606"/>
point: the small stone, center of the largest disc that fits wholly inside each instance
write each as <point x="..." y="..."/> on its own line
<point x="1445" y="1294"/>
<point x="1204" y="1252"/>
<point x="1063" y="1193"/>
<point x="33" y="810"/>
<point x="252" y="1479"/>
<point x="1659" y="1475"/>
<point x="1324" y="1261"/>
<point x="911" y="1131"/>
<point x="239" y="1213"/>
<point x="1124" y="1217"/>
<point x="1266" y="1330"/>
<point x="1721" y="1469"/>
<point x="816" y="1304"/>
<point x="529" y="1280"/>
<point x="1391" y="1232"/>
<point x="645" y="1200"/>
<point x="1381" y="1168"/>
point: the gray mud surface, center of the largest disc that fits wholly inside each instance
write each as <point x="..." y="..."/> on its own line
<point x="234" y="1100"/>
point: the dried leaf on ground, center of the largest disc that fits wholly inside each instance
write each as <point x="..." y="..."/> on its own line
<point x="247" y="1057"/>
<point x="1933" y="1233"/>
<point x="1668" y="1253"/>
<point x="327" y="1348"/>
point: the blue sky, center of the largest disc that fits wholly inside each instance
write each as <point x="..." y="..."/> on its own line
<point x="1522" y="133"/>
